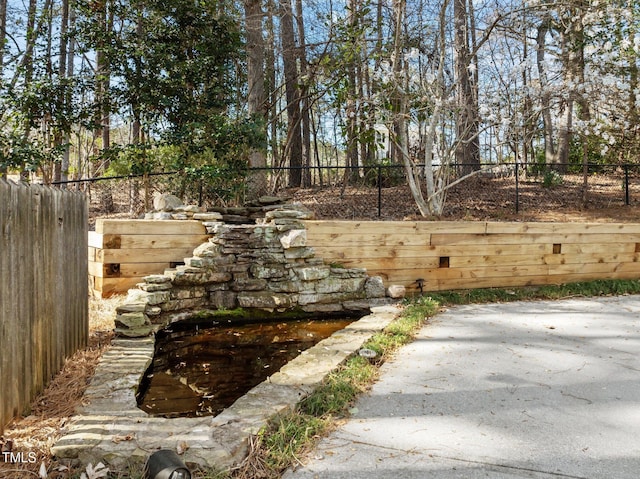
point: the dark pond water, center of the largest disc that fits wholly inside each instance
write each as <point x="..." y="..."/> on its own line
<point x="199" y="373"/>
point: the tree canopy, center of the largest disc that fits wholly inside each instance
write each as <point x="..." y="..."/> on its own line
<point x="202" y="87"/>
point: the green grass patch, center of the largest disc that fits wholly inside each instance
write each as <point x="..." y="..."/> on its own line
<point x="339" y="389"/>
<point x="288" y="436"/>
<point x="501" y="295"/>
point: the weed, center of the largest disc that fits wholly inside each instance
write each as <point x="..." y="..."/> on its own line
<point x="288" y="436"/>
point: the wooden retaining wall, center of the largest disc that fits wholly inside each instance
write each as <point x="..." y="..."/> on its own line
<point x="122" y="252"/>
<point x="445" y="255"/>
<point x="465" y="255"/>
<point x="43" y="290"/>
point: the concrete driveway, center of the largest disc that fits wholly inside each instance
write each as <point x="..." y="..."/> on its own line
<point x="546" y="389"/>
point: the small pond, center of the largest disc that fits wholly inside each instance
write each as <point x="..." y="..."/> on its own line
<point x="202" y="372"/>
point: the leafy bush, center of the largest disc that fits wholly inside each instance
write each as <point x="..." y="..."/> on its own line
<point x="551" y="178"/>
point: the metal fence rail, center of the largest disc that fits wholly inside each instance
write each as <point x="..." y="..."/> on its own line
<point x="132" y="195"/>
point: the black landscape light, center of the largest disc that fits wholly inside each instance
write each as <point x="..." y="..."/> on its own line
<point x="165" y="464"/>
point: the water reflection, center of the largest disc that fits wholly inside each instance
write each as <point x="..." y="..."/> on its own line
<point x="201" y="373"/>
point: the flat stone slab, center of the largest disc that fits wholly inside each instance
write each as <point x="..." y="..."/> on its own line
<point x="110" y="428"/>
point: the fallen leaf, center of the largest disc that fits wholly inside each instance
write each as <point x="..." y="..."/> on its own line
<point x="182" y="447"/>
<point x="119" y="438"/>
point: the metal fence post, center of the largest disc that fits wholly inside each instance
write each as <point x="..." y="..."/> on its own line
<point x="517" y="189"/>
<point x="379" y="168"/>
<point x="626" y="185"/>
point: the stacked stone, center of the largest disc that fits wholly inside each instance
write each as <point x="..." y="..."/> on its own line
<point x="266" y="266"/>
<point x="250" y="213"/>
<point x="170" y="207"/>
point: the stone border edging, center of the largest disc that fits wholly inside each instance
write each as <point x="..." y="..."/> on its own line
<point x="110" y="428"/>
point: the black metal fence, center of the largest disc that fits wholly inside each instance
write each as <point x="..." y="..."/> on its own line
<point x="382" y="192"/>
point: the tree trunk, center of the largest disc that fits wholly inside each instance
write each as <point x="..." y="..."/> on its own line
<point x="105" y="21"/>
<point x="304" y="97"/>
<point x="62" y="134"/>
<point x="400" y="145"/>
<point x="289" y="57"/>
<point x="584" y="110"/>
<point x="102" y="131"/>
<point x="351" y="172"/>
<point x="136" y="127"/>
<point x="272" y="90"/>
<point x="634" y="84"/>
<point x="568" y="45"/>
<point x="528" y="129"/>
<point x="398" y="96"/>
<point x="550" y="153"/>
<point x="69" y="68"/>
<point x="256" y="180"/>
<point x="27" y="62"/>
<point x="3" y="32"/>
<point x="467" y="146"/>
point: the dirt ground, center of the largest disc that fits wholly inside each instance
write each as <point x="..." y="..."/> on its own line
<point x="34" y="434"/>
<point x="479" y="199"/>
<point x="486" y="199"/>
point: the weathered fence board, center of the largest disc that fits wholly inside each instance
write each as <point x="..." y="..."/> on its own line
<point x="43" y="291"/>
<point x="462" y="255"/>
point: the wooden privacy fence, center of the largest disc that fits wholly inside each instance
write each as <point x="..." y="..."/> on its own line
<point x="43" y="289"/>
<point x="122" y="252"/>
<point x="441" y="256"/>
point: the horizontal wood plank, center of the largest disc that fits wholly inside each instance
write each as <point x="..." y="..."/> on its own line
<point x="438" y="239"/>
<point x="139" y="270"/>
<point x="371" y="239"/>
<point x="562" y="228"/>
<point x="596" y="268"/>
<point x="111" y="286"/>
<point x="126" y="270"/>
<point x="147" y="227"/>
<point x="412" y="251"/>
<point x="398" y="227"/>
<point x="589" y="249"/>
<point x="597" y="257"/>
<point x="496" y="260"/>
<point x="111" y="241"/>
<point x="157" y="255"/>
<point x="392" y="263"/>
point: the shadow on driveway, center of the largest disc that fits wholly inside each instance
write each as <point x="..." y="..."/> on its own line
<point x="529" y="389"/>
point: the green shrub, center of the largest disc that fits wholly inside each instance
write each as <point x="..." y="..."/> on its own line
<point x="551" y="178"/>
